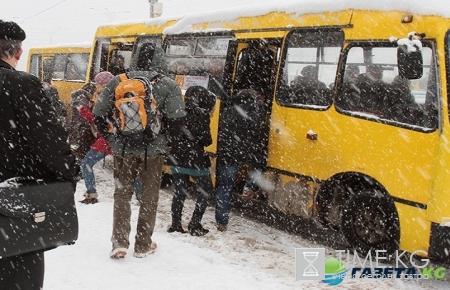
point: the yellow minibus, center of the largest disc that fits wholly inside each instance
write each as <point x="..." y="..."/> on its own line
<point x="358" y="119"/>
<point x="64" y="65"/>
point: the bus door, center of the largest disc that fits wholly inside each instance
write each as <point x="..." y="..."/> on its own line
<point x="300" y="117"/>
<point x="113" y="55"/>
<point x="255" y="67"/>
<point x="147" y="50"/>
<point x="41" y="66"/>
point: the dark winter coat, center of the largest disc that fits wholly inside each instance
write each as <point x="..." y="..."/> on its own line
<point x="188" y="146"/>
<point x="242" y="130"/>
<point x="32" y="142"/>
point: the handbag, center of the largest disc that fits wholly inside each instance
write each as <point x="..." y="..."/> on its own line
<point x="36" y="215"/>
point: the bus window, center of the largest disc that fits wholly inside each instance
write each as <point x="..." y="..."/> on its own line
<point x="197" y="61"/>
<point x="59" y="66"/>
<point x="47" y="70"/>
<point x="35" y="65"/>
<point x="310" y="68"/>
<point x="76" y="68"/>
<point x="373" y="89"/>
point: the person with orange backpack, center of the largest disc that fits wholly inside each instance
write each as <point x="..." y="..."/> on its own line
<point x="138" y="112"/>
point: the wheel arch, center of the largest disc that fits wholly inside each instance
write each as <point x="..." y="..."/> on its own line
<point x="351" y="180"/>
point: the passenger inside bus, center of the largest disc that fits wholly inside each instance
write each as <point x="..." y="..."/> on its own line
<point x="215" y="73"/>
<point x="373" y="91"/>
<point x="402" y="104"/>
<point x="309" y="90"/>
<point x="179" y="68"/>
<point x="348" y="97"/>
<point x="117" y="65"/>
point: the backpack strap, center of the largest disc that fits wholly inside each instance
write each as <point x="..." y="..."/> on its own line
<point x="123" y="77"/>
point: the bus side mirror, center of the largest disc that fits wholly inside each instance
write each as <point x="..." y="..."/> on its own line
<point x="410" y="63"/>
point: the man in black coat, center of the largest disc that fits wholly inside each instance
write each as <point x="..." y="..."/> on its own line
<point x="32" y="144"/>
<point x="241" y="142"/>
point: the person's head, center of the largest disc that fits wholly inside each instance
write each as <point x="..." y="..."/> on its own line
<point x="352" y="71"/>
<point x="215" y="67"/>
<point x="375" y="71"/>
<point x="310" y="72"/>
<point x="81" y="97"/>
<point x="11" y="37"/>
<point x="199" y="97"/>
<point x="180" y="68"/>
<point x="101" y="80"/>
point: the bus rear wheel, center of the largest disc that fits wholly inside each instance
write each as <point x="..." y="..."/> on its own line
<point x="369" y="221"/>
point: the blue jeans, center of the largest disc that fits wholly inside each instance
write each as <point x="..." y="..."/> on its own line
<point x="226" y="177"/>
<point x="87" y="164"/>
<point x="204" y="187"/>
<point x="137" y="188"/>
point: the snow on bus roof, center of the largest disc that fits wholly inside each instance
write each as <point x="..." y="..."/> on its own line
<point x="68" y="44"/>
<point x="431" y="7"/>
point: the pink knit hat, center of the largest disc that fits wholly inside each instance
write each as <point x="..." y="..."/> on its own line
<point x="103" y="77"/>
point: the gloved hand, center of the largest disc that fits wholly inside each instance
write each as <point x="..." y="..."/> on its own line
<point x="76" y="177"/>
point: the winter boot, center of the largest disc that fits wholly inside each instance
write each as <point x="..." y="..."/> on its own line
<point x="196" y="229"/>
<point x="90" y="198"/>
<point x="176" y="227"/>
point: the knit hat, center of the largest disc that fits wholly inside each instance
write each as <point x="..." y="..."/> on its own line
<point x="80" y="97"/>
<point x="11" y="31"/>
<point x="103" y="77"/>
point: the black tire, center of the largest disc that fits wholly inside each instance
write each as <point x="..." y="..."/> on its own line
<point x="330" y="206"/>
<point x="369" y="221"/>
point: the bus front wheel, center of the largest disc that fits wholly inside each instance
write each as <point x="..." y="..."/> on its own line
<point x="369" y="221"/>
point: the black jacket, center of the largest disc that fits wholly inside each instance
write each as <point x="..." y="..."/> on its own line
<point x="32" y="142"/>
<point x="194" y="134"/>
<point x="242" y="132"/>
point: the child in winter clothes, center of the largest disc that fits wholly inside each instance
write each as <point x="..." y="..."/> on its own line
<point x="189" y="159"/>
<point x="98" y="148"/>
<point x="98" y="151"/>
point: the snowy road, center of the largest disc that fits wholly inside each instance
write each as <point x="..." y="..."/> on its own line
<point x="249" y="255"/>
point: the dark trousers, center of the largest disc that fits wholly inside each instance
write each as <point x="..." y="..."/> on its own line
<point x="204" y="187"/>
<point x="24" y="272"/>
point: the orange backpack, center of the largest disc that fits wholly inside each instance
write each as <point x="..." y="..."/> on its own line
<point x="137" y="118"/>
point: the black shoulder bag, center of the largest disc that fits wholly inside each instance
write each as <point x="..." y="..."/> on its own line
<point x="36" y="215"/>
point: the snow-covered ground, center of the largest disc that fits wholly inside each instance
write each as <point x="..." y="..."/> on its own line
<point x="249" y="255"/>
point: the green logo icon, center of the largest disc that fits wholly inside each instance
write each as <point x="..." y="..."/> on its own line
<point x="334" y="272"/>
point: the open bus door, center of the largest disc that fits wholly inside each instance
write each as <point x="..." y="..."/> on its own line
<point x="255" y="63"/>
